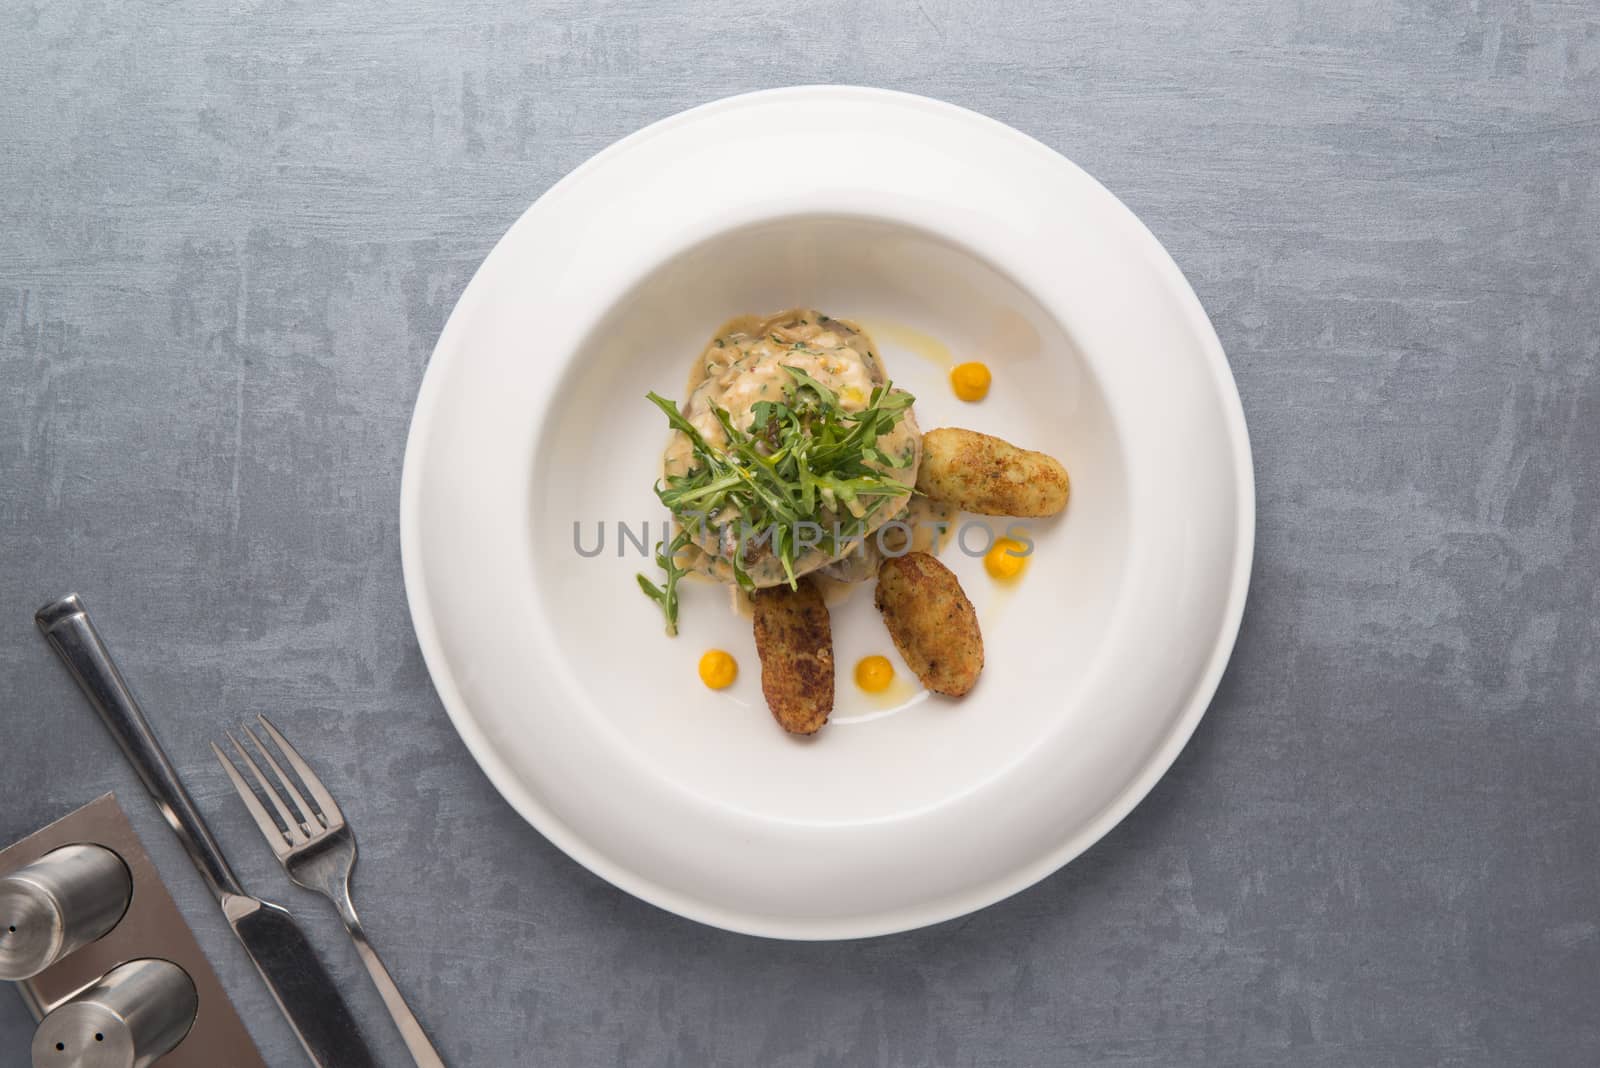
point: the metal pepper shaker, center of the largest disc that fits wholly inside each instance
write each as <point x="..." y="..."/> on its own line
<point x="136" y="1013"/>
<point x="59" y="903"/>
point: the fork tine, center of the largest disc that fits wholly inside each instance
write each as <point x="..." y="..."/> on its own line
<point x="330" y="809"/>
<point x="298" y="835"/>
<point x="310" y="817"/>
<point x="296" y="832"/>
<point x="274" y="834"/>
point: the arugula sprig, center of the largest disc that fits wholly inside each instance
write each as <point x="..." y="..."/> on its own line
<point x="666" y="595"/>
<point x="804" y="460"/>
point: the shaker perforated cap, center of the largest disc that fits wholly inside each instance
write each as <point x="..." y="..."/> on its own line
<point x="137" y="1013"/>
<point x="59" y="903"/>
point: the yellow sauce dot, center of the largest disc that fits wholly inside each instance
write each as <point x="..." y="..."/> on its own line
<point x="874" y="673"/>
<point x="718" y="669"/>
<point x="1005" y="559"/>
<point x="970" y="381"/>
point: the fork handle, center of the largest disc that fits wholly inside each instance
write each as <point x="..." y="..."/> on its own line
<point x="65" y="623"/>
<point x="416" y="1039"/>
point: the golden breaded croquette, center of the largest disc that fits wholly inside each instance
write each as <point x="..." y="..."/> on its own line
<point x="794" y="639"/>
<point x="989" y="476"/>
<point x="931" y="621"/>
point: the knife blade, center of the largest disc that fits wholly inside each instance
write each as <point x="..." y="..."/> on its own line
<point x="298" y="981"/>
<point x="295" y="975"/>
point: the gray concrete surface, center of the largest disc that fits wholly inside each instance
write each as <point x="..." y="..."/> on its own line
<point x="230" y="233"/>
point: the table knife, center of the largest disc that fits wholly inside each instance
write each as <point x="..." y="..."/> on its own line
<point x="291" y="969"/>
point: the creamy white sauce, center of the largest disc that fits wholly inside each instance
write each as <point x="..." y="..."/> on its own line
<point x="742" y="365"/>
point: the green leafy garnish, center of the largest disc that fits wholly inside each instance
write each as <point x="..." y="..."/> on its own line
<point x="666" y="595"/>
<point x="802" y="462"/>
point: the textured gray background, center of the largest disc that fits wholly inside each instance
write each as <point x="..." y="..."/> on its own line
<point x="230" y="233"/>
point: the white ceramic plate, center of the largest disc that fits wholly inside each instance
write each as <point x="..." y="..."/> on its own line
<point x="916" y="218"/>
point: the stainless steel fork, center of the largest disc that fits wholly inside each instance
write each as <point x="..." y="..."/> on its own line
<point x="318" y="850"/>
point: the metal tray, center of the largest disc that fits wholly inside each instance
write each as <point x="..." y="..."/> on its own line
<point x="152" y="927"/>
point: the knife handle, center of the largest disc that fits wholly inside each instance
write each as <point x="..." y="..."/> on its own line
<point x="66" y="626"/>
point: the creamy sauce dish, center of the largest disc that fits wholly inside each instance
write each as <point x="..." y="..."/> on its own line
<point x="743" y="365"/>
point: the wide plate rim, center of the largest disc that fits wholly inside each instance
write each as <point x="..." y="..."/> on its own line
<point x="764" y="925"/>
